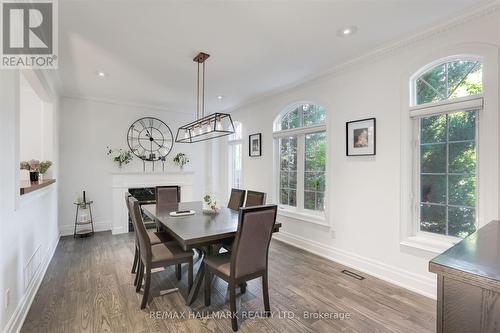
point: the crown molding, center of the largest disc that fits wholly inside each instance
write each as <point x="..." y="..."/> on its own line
<point x="488" y="8"/>
<point x="122" y="103"/>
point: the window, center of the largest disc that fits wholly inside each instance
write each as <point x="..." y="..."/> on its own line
<point x="235" y="157"/>
<point x="447" y="101"/>
<point x="300" y="139"/>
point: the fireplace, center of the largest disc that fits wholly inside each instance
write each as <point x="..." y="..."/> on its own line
<point x="145" y="196"/>
<point x="144" y="183"/>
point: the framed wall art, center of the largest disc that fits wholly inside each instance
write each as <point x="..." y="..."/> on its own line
<point x="361" y="137"/>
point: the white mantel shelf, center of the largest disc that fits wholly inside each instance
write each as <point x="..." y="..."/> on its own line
<point x="124" y="180"/>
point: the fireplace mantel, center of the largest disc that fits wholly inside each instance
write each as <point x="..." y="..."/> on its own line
<point x="123" y="181"/>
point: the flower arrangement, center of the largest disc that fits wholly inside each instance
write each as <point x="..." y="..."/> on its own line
<point x="31" y="165"/>
<point x="209" y="203"/>
<point x="181" y="160"/>
<point x="120" y="156"/>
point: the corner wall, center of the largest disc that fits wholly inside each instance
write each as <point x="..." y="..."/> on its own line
<point x="29" y="229"/>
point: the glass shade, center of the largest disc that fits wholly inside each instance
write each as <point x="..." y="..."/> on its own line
<point x="209" y="127"/>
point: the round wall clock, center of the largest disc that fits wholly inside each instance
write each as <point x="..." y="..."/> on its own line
<point x="150" y="139"/>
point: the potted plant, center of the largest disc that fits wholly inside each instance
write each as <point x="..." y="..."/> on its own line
<point x="33" y="166"/>
<point x="209" y="204"/>
<point x="44" y="167"/>
<point x="181" y="160"/>
<point x="120" y="156"/>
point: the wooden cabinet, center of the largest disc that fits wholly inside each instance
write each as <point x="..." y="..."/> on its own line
<point x="468" y="288"/>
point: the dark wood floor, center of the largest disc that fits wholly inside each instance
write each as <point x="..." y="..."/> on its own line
<point x="88" y="288"/>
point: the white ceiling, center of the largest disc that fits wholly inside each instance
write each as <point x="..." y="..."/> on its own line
<point x="146" y="47"/>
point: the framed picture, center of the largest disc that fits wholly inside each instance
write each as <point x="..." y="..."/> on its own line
<point x="255" y="145"/>
<point x="361" y="137"/>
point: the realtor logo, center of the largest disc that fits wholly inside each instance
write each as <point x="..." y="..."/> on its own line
<point x="29" y="34"/>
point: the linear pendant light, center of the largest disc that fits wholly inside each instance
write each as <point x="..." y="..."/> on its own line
<point x="204" y="127"/>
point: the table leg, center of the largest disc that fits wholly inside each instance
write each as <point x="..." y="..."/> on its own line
<point x="198" y="281"/>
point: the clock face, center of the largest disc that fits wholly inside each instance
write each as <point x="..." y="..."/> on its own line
<point x="150" y="139"/>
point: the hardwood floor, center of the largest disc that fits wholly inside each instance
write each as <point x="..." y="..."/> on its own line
<point x="88" y="288"/>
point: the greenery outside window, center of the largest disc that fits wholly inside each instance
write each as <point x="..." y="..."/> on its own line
<point x="300" y="139"/>
<point x="445" y="182"/>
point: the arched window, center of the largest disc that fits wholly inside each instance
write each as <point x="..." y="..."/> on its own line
<point x="447" y="99"/>
<point x="300" y="141"/>
<point x="449" y="80"/>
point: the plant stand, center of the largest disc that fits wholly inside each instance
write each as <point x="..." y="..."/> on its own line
<point x="83" y="228"/>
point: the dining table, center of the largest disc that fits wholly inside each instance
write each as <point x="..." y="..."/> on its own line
<point x="199" y="231"/>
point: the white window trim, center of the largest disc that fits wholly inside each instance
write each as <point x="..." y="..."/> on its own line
<point x="230" y="145"/>
<point x="487" y="142"/>
<point x="298" y="213"/>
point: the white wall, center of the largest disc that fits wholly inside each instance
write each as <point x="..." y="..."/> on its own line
<point x="87" y="128"/>
<point x="28" y="224"/>
<point x="30" y="120"/>
<point x="363" y="199"/>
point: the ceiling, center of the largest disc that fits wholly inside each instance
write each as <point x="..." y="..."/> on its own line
<point x="146" y="47"/>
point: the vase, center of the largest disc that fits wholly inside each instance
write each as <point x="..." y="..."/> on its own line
<point x="34" y="175"/>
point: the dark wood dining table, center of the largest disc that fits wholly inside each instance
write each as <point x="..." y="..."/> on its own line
<point x="198" y="231"/>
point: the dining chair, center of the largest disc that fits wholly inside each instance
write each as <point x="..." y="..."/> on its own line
<point x="248" y="259"/>
<point x="153" y="256"/>
<point x="236" y="199"/>
<point x="167" y="195"/>
<point x="154" y="237"/>
<point x="255" y="198"/>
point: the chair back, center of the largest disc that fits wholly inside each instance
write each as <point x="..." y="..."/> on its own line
<point x="140" y="230"/>
<point x="236" y="199"/>
<point x="167" y="195"/>
<point x="129" y="210"/>
<point x="255" y="199"/>
<point x="251" y="246"/>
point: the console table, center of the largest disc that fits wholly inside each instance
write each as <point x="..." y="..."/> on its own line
<point x="468" y="283"/>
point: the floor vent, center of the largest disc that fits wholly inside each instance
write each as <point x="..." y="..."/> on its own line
<point x="352" y="274"/>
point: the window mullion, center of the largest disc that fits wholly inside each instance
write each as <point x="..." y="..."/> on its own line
<point x="447" y="171"/>
<point x="300" y="170"/>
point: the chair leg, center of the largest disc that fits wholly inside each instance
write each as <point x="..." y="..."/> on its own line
<point x="140" y="274"/>
<point x="178" y="271"/>
<point x="190" y="275"/>
<point x="265" y="294"/>
<point x="147" y="285"/>
<point x="232" y="307"/>
<point x="208" y="280"/>
<point x="243" y="287"/>
<point x="136" y="259"/>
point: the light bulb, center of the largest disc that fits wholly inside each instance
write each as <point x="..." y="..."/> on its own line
<point x="219" y="126"/>
<point x="209" y="128"/>
<point x="186" y="134"/>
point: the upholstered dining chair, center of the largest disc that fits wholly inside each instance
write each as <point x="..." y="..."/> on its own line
<point x="255" y="199"/>
<point x="249" y="256"/>
<point x="236" y="199"/>
<point x="156" y="255"/>
<point x="166" y="195"/>
<point x="154" y="238"/>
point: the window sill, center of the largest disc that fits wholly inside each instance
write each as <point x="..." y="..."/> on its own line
<point x="429" y="244"/>
<point x="311" y="218"/>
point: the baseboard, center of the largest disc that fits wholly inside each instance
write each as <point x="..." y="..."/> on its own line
<point x="68" y="229"/>
<point x="414" y="282"/>
<point x="16" y="321"/>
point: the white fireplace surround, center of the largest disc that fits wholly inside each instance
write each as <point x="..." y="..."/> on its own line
<point x="123" y="181"/>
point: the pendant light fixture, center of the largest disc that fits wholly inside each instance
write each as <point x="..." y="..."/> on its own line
<point x="204" y="127"/>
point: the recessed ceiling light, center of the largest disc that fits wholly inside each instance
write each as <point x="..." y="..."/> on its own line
<point x="101" y="74"/>
<point x="346" y="31"/>
<point x="219" y="97"/>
